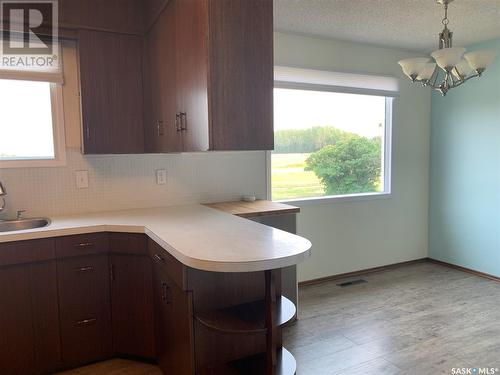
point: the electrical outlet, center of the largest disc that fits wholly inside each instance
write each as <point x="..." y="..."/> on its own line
<point x="161" y="176"/>
<point x="82" y="179"/>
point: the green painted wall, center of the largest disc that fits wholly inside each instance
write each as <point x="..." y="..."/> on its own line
<point x="464" y="211"/>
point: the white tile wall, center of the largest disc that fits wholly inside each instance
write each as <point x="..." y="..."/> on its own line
<point x="129" y="181"/>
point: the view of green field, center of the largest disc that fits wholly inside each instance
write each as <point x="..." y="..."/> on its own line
<point x="290" y="180"/>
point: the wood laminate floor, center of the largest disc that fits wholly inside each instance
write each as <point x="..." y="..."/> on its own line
<point x="115" y="367"/>
<point x="422" y="319"/>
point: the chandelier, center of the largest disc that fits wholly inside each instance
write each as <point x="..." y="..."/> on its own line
<point x="456" y="66"/>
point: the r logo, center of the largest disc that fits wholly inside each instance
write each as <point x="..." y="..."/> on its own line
<point x="29" y="27"/>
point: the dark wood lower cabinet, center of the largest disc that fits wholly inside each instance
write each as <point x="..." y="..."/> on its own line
<point x="217" y="323"/>
<point x="29" y="322"/>
<point x="174" y="328"/>
<point x="17" y="338"/>
<point x="85" y="309"/>
<point x="44" y="304"/>
<point x="132" y="305"/>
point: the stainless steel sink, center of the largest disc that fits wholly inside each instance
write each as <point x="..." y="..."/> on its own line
<point x="22" y="224"/>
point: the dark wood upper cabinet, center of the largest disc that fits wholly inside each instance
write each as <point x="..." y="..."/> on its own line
<point x="241" y="76"/>
<point x="215" y="58"/>
<point x="162" y="133"/>
<point x="175" y="75"/>
<point x="191" y="26"/>
<point x="111" y="92"/>
<point x="163" y="76"/>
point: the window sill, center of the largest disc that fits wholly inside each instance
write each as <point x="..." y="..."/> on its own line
<point x="337" y="199"/>
<point x="39" y="163"/>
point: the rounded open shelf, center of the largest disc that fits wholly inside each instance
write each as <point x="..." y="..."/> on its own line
<point x="247" y="318"/>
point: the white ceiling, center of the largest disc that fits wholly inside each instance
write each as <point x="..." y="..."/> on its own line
<point x="408" y="24"/>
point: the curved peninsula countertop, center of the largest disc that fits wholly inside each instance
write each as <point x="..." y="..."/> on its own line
<point x="197" y="236"/>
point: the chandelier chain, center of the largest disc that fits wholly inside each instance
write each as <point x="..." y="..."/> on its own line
<point x="445" y="20"/>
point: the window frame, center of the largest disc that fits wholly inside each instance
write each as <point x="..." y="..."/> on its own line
<point x="56" y="100"/>
<point x="386" y="152"/>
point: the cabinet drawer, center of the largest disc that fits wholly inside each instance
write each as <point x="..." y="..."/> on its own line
<point x="86" y="340"/>
<point x="82" y="244"/>
<point x="128" y="243"/>
<point x="26" y="251"/>
<point x="167" y="264"/>
<point x="83" y="286"/>
<point x="85" y="308"/>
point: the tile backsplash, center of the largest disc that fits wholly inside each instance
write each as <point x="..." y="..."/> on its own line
<point x="118" y="182"/>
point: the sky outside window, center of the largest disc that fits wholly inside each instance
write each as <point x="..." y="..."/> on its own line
<point x="26" y="130"/>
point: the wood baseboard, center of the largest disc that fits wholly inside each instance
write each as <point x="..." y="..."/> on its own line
<point x="397" y="265"/>
<point x="361" y="272"/>
<point x="464" y="269"/>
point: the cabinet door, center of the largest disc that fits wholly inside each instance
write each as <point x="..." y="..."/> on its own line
<point x="191" y="19"/>
<point x="85" y="310"/>
<point x="17" y="354"/>
<point x="45" y="307"/>
<point x="173" y="325"/>
<point x="241" y="75"/>
<point x="132" y="305"/>
<point x="111" y="92"/>
<point x="29" y="319"/>
<point x="161" y="130"/>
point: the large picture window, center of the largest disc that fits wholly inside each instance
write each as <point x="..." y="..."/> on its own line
<point x="329" y="143"/>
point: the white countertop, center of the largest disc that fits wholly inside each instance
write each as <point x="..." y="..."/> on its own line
<point x="197" y="236"/>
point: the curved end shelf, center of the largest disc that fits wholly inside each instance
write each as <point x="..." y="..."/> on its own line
<point x="247" y="318"/>
<point x="286" y="311"/>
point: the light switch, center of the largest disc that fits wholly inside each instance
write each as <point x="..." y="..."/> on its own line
<point x="161" y="176"/>
<point x="82" y="179"/>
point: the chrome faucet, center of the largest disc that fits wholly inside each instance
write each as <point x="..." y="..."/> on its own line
<point x="3" y="193"/>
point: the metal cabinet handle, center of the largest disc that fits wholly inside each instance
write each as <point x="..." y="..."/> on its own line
<point x="85" y="269"/>
<point x="165" y="289"/>
<point x="159" y="127"/>
<point x="177" y="123"/>
<point x="183" y="121"/>
<point x="86" y="321"/>
<point x="84" y="244"/>
<point x="158" y="257"/>
<point x="112" y="272"/>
